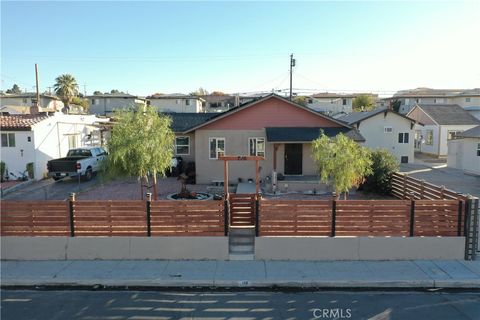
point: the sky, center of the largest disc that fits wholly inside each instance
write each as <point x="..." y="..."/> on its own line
<point x="241" y="47"/>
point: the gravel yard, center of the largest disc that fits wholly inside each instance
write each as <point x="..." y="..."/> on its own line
<point x="129" y="189"/>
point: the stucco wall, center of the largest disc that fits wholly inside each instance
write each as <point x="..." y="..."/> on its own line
<point x="462" y="154"/>
<point x="359" y="248"/>
<point x="171" y="105"/>
<point x="372" y="129"/>
<point x="105" y="106"/>
<point x="14" y="158"/>
<point x="425" y="148"/>
<point x="113" y="248"/>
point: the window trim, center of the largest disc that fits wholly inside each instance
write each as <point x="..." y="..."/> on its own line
<point x="454" y="135"/>
<point x="387" y="127"/>
<point x="8" y="144"/>
<point x="182" y="145"/>
<point x="256" y="148"/>
<point x="478" y="149"/>
<point x="404" y="137"/>
<point x="216" y="147"/>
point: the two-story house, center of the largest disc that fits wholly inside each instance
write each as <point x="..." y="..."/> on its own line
<point x="105" y="104"/>
<point x="20" y="103"/>
<point x="176" y="102"/>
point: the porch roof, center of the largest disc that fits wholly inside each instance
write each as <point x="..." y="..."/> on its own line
<point x="308" y="134"/>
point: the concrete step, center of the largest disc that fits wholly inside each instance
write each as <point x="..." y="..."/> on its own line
<point x="242" y="231"/>
<point x="241" y="249"/>
<point x="238" y="257"/>
<point x="241" y="240"/>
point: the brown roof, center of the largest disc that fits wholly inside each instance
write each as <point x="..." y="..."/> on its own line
<point x="20" y="122"/>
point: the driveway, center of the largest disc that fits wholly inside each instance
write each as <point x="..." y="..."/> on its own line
<point x="440" y="174"/>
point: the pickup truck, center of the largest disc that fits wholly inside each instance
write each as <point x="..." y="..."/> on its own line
<point x="80" y="161"/>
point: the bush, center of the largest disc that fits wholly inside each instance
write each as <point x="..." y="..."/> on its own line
<point x="30" y="170"/>
<point x="383" y="167"/>
<point x="2" y="170"/>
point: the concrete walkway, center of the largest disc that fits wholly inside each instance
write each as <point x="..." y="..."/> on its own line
<point x="335" y="274"/>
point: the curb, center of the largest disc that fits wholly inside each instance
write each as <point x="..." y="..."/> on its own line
<point x="247" y="284"/>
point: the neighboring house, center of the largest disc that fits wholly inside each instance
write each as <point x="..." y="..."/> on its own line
<point x="441" y="124"/>
<point x="464" y="152"/>
<point x="176" y="103"/>
<point x="38" y="138"/>
<point x="331" y="103"/>
<point x="465" y="98"/>
<point x="48" y="103"/>
<point x="385" y="128"/>
<point x="273" y="127"/>
<point x="104" y="104"/>
<point x="219" y="103"/>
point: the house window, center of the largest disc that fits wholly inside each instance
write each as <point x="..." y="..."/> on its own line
<point x="187" y="102"/>
<point x="344" y="102"/>
<point x="403" y="137"/>
<point x="256" y="147"/>
<point x="8" y="139"/>
<point x="310" y="101"/>
<point x="387" y="129"/>
<point x="429" y="139"/>
<point x="478" y="150"/>
<point x="467" y="99"/>
<point x="24" y="100"/>
<point x="72" y="142"/>
<point x="177" y="101"/>
<point x="217" y="147"/>
<point x="407" y="101"/>
<point x="453" y="134"/>
<point x="182" y="145"/>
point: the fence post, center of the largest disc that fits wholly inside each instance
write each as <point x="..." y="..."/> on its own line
<point x="459" y="221"/>
<point x="149" y="220"/>
<point x="334" y="217"/>
<point x="71" y="213"/>
<point x="257" y="216"/>
<point x="412" y="217"/>
<point x="225" y="216"/>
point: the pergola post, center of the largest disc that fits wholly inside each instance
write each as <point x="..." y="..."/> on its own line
<point x="225" y="178"/>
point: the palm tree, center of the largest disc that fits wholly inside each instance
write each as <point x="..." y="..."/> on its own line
<point x="66" y="88"/>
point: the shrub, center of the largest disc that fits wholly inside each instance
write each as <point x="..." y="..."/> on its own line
<point x="30" y="170"/>
<point x="383" y="167"/>
<point x="2" y="170"/>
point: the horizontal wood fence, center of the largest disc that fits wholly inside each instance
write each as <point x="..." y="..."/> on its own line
<point x="406" y="187"/>
<point x="112" y="218"/>
<point x="360" y="218"/>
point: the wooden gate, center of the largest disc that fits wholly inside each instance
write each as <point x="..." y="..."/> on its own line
<point x="242" y="210"/>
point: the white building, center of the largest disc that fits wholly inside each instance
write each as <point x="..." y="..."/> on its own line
<point x="464" y="153"/>
<point x="465" y="98"/>
<point x="39" y="138"/>
<point x="20" y="103"/>
<point x="387" y="129"/>
<point x="105" y="104"/>
<point x="441" y="124"/>
<point x="331" y="103"/>
<point x="176" y="103"/>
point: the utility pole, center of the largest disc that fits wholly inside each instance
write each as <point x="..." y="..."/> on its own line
<point x="292" y="64"/>
<point x="36" y="83"/>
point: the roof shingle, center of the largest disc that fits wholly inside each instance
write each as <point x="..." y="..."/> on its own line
<point x="449" y="114"/>
<point x="20" y="122"/>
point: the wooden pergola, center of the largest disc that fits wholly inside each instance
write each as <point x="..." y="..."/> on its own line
<point x="226" y="159"/>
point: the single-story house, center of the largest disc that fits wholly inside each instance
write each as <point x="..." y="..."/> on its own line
<point x="12" y="102"/>
<point x="464" y="152"/>
<point x="385" y="128"/>
<point x="273" y="127"/>
<point x="441" y="124"/>
<point x="38" y="138"/>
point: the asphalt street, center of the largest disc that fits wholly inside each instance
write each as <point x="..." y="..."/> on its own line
<point x="138" y="305"/>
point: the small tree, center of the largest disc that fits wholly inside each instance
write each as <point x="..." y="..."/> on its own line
<point x="15" y="89"/>
<point x="301" y="100"/>
<point x="97" y="93"/>
<point x="341" y="162"/>
<point x="383" y="166"/>
<point x="363" y="102"/>
<point x="141" y="145"/>
<point x="199" y="92"/>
